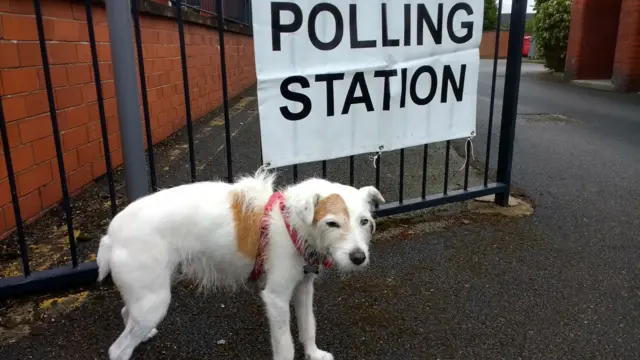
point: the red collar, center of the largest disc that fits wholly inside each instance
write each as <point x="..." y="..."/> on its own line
<point x="258" y="268"/>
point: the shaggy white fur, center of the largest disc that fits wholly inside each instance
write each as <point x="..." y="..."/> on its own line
<point x="195" y="231"/>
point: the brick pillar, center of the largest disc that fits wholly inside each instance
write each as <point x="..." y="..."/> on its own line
<point x="626" y="69"/>
<point x="592" y="39"/>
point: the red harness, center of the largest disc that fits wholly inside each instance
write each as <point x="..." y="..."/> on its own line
<point x="258" y="268"/>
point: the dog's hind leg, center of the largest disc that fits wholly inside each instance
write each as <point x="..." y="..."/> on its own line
<point x="142" y="318"/>
<point x="125" y="318"/>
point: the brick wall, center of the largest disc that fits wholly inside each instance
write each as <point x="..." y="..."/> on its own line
<point x="592" y="39"/>
<point x="24" y="95"/>
<point x="488" y="44"/>
<point x="626" y="68"/>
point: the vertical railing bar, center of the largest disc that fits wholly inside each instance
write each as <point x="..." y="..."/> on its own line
<point x="401" y="183"/>
<point x="103" y="119"/>
<point x="352" y="171"/>
<point x="324" y="169"/>
<point x="445" y="190"/>
<point x="225" y="95"/>
<point x="22" y="242"/>
<point x="425" y="152"/>
<point x="493" y="95"/>
<point x="187" y="97"/>
<point x="467" y="164"/>
<point x="135" y="11"/>
<point x="510" y="99"/>
<point x="66" y="203"/>
<point x="377" y="165"/>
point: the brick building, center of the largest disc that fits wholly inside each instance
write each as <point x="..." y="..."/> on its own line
<point x="604" y="43"/>
<point x="23" y="90"/>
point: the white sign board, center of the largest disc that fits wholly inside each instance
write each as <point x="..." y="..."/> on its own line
<point x="345" y="77"/>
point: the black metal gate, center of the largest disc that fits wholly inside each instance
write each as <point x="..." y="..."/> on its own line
<point x="78" y="273"/>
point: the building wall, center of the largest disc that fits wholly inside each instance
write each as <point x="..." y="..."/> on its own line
<point x="488" y="44"/>
<point x="626" y="68"/>
<point x="24" y="96"/>
<point x="592" y="40"/>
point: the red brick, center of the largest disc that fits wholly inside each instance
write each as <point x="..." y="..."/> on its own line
<point x="36" y="103"/>
<point x="83" y="53"/>
<point x="58" y="77"/>
<point x="62" y="53"/>
<point x="22" y="158"/>
<point x="19" y="7"/>
<point x="99" y="167"/>
<point x="57" y="9"/>
<point x="34" y="178"/>
<point x="44" y="149"/>
<point x="79" y="12"/>
<point x="104" y="52"/>
<point x="35" y="128"/>
<point x="30" y="206"/>
<point x="13" y="133"/>
<point x="89" y="93"/>
<point x="101" y="32"/>
<point x="68" y="97"/>
<point x="626" y="68"/>
<point x="108" y="89"/>
<point x="50" y="194"/>
<point x="79" y="74"/>
<point x="67" y="30"/>
<point x="70" y="161"/>
<point x="94" y="131"/>
<point x="18" y="27"/>
<point x="16" y="81"/>
<point x="14" y="108"/>
<point x="9" y="56"/>
<point x="5" y="192"/>
<point x="88" y="153"/>
<point x="116" y="158"/>
<point x="29" y="54"/>
<point x="75" y="117"/>
<point x="80" y="178"/>
<point x="74" y="138"/>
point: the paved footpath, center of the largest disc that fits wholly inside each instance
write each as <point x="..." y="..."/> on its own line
<point x="455" y="284"/>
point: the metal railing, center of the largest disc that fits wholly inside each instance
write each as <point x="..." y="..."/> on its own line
<point x="80" y="273"/>
<point x="238" y="11"/>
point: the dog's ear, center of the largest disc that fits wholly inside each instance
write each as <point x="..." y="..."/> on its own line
<point x="307" y="210"/>
<point x="372" y="195"/>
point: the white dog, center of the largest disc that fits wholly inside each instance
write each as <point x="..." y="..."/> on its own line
<point x="220" y="234"/>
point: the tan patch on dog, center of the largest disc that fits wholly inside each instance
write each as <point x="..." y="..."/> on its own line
<point x="331" y="205"/>
<point x="247" y="225"/>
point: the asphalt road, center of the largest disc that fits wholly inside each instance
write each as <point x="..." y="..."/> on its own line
<point x="561" y="284"/>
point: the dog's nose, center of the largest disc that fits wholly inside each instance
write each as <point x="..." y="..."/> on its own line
<point x="357" y="257"/>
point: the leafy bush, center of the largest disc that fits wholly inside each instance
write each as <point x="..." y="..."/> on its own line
<point x="490" y="15"/>
<point x="551" y="28"/>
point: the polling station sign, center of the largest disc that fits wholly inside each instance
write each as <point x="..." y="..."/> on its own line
<point x="345" y="77"/>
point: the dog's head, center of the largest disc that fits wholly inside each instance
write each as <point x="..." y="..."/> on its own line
<point x="338" y="221"/>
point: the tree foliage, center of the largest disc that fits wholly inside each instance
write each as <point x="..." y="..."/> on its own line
<point x="490" y="15"/>
<point x="551" y="29"/>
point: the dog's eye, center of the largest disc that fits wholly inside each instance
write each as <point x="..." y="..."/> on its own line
<point x="333" y="224"/>
<point x="364" y="222"/>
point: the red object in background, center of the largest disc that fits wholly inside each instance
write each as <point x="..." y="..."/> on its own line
<point x="526" y="46"/>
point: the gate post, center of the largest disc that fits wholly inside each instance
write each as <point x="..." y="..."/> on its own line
<point x="127" y="97"/>
<point x="510" y="98"/>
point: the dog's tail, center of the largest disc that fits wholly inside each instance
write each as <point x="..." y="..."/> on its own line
<point x="104" y="257"/>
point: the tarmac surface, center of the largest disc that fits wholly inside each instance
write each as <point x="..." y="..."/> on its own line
<point x="451" y="284"/>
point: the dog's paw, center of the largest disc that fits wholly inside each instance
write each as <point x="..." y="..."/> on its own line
<point x="319" y="355"/>
<point x="149" y="336"/>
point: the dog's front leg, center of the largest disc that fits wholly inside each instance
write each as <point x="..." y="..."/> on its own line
<point x="306" y="320"/>
<point x="277" y="300"/>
